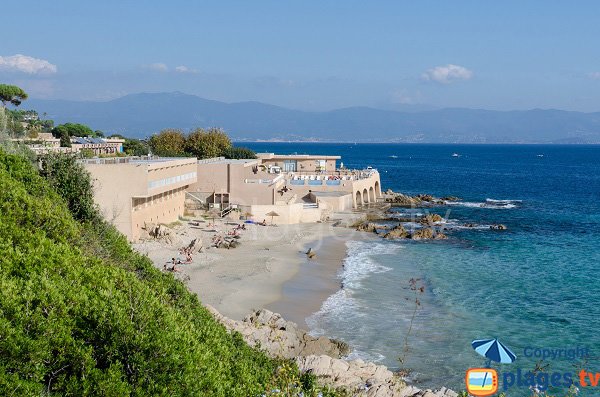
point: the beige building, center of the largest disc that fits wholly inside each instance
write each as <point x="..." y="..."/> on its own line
<point x="300" y="188"/>
<point x="132" y="192"/>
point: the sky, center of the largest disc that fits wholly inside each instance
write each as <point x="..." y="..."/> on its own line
<point x="311" y="55"/>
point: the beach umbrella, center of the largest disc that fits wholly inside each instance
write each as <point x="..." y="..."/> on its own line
<point x="272" y="214"/>
<point x="494" y="350"/>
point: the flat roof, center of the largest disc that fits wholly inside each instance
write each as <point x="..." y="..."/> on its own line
<point x="298" y="156"/>
<point x="230" y="161"/>
<point x="134" y="160"/>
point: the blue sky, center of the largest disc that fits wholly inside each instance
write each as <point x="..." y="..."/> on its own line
<point x="315" y="55"/>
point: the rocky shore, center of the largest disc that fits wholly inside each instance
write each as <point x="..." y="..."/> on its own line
<point x="423" y="227"/>
<point x="322" y="357"/>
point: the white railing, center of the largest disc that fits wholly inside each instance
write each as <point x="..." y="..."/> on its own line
<point x="264" y="181"/>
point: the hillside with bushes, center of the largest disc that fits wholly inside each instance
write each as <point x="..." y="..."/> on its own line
<point x="82" y="314"/>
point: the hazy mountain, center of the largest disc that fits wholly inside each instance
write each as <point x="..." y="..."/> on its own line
<point x="140" y="115"/>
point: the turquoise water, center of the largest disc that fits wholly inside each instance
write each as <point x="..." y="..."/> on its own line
<point x="533" y="285"/>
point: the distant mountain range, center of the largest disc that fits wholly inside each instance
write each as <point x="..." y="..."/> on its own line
<point x="140" y="115"/>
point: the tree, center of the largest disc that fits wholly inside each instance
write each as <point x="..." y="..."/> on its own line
<point x="73" y="183"/>
<point x="169" y="143"/>
<point x="239" y="153"/>
<point x="135" y="147"/>
<point x="206" y="144"/>
<point x="11" y="94"/>
<point x="65" y="131"/>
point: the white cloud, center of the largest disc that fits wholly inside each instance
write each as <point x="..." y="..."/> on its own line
<point x="594" y="75"/>
<point x="26" y="64"/>
<point x="185" y="69"/>
<point x="158" y="67"/>
<point x="447" y="74"/>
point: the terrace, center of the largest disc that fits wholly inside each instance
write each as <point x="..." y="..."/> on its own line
<point x="329" y="178"/>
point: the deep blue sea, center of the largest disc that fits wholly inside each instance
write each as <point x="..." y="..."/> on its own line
<point x="535" y="285"/>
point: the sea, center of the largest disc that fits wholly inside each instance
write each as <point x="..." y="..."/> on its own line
<point x="535" y="286"/>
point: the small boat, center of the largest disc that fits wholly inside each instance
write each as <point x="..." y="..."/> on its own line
<point x="393" y="156"/>
<point x="540" y="155"/>
<point x="455" y="155"/>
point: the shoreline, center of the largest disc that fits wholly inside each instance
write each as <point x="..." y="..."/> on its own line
<point x="314" y="282"/>
<point x="269" y="269"/>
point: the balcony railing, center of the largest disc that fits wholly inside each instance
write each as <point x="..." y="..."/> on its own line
<point x="330" y="178"/>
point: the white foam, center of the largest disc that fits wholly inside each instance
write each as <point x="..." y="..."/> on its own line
<point x="489" y="200"/>
<point x="488" y="203"/>
<point x="358" y="266"/>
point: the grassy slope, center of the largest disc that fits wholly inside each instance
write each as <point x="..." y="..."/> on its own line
<point x="81" y="314"/>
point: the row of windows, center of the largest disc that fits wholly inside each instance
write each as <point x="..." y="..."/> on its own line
<point x="172" y="180"/>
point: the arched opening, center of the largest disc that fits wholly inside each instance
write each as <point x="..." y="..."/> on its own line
<point x="365" y="196"/>
<point x="371" y="194"/>
<point x="377" y="189"/>
<point x="358" y="199"/>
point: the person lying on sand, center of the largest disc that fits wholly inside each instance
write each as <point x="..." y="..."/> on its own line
<point x="263" y="223"/>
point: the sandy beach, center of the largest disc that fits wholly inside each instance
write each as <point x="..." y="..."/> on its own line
<point x="269" y="269"/>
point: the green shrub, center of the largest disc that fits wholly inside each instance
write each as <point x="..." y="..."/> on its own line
<point x="82" y="314"/>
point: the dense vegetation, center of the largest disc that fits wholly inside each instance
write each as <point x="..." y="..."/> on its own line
<point x="199" y="143"/>
<point x="83" y="314"/>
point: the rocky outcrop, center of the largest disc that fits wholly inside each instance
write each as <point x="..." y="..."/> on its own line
<point x="403" y="200"/>
<point x="430" y="219"/>
<point x="159" y="232"/>
<point x="362" y="378"/>
<point x="397" y="232"/>
<point x="499" y="226"/>
<point x="367" y="227"/>
<point x="427" y="234"/>
<point x="281" y="338"/>
<point x="321" y="357"/>
<point x="419" y="234"/>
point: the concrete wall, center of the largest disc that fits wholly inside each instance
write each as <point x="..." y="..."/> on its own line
<point x="161" y="208"/>
<point x="128" y="196"/>
<point x="288" y="214"/>
<point x="334" y="203"/>
<point x="114" y="187"/>
<point x="238" y="179"/>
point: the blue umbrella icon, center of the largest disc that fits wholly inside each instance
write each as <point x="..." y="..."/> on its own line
<point x="494" y="350"/>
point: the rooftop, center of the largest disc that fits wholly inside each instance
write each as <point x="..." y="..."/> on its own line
<point x="134" y="160"/>
<point x="223" y="160"/>
<point x="296" y="156"/>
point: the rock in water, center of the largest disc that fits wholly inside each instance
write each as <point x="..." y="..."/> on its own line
<point x="430" y="219"/>
<point x="499" y="226"/>
<point x="397" y="232"/>
<point x="427" y="234"/>
<point x="367" y="227"/>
